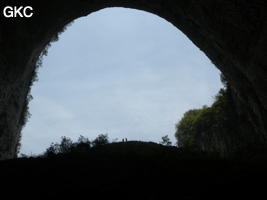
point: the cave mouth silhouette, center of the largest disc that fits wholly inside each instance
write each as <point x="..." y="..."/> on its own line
<point x="76" y="61"/>
<point x="232" y="34"/>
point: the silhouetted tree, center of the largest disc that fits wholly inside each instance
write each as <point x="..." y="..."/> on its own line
<point x="101" y="139"/>
<point x="52" y="150"/>
<point x="83" y="139"/>
<point x="65" y="145"/>
<point x="166" y="141"/>
<point x="82" y="146"/>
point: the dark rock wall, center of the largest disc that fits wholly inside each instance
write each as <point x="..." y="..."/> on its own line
<point x="232" y="33"/>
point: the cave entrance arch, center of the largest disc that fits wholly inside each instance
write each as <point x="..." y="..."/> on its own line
<point x="99" y="51"/>
<point x="231" y="33"/>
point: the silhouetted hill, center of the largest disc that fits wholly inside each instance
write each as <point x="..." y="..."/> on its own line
<point x="133" y="170"/>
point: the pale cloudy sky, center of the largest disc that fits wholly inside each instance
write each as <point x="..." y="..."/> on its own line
<point x="120" y="71"/>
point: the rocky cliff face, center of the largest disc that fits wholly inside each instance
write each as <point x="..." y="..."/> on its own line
<point x="232" y="33"/>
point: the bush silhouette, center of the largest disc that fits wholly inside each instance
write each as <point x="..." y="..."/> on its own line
<point x="83" y="145"/>
<point x="101" y="139"/>
<point x="166" y="141"/>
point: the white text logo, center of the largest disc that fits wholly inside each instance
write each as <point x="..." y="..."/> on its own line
<point x="16" y="11"/>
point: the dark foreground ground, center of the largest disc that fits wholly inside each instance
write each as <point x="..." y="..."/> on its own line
<point x="133" y="170"/>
